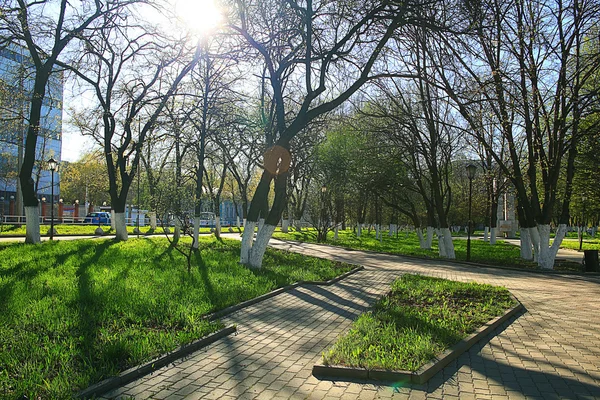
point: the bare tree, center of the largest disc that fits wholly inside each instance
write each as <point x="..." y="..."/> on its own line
<point x="317" y="55"/>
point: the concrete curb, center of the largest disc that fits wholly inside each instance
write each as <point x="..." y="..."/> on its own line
<point x="425" y="372"/>
<point x="136" y="372"/>
<point x="234" y="308"/>
<point x="478" y="265"/>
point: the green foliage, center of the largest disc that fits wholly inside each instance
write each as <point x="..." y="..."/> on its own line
<point x="419" y="318"/>
<point x="76" y="312"/>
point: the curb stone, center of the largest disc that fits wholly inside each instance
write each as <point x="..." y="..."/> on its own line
<point x="136" y="372"/>
<point x="247" y="303"/>
<point x="427" y="371"/>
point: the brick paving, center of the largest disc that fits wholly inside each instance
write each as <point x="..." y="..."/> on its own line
<point x="551" y="351"/>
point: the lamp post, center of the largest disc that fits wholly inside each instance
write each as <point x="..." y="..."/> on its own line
<point x="470" y="174"/>
<point x="52" y="166"/>
<point x="583" y="199"/>
<point x="322" y="232"/>
<point x="2" y="214"/>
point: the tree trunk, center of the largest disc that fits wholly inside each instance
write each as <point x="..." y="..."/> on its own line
<point x="260" y="245"/>
<point x="485" y="233"/>
<point x="335" y="234"/>
<point x="284" y="226"/>
<point x="196" y="232"/>
<point x="448" y="243"/>
<point x="218" y="227"/>
<point x="526" y="253"/>
<point x="176" y="232"/>
<point x="422" y="240"/>
<point x="441" y="245"/>
<point x="247" y="241"/>
<point x="358" y="229"/>
<point x="32" y="232"/>
<point x="535" y="242"/>
<point x="429" y="241"/>
<point x="120" y="226"/>
<point x="493" y="235"/>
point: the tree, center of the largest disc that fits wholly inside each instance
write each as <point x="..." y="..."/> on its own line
<point x="85" y="179"/>
<point x="45" y="36"/>
<point x="317" y="55"/>
<point x="133" y="72"/>
<point x="525" y="59"/>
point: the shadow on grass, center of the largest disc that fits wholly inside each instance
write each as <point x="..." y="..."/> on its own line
<point x="89" y="306"/>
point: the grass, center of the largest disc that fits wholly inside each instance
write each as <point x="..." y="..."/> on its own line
<point x="418" y="319"/>
<point x="76" y="312"/>
<point x="502" y="253"/>
<point x="64" y="229"/>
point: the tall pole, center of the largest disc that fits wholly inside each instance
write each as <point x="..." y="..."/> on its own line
<point x="583" y="199"/>
<point x="469" y="228"/>
<point x="470" y="174"/>
<point x="52" y="207"/>
<point x="138" y="202"/>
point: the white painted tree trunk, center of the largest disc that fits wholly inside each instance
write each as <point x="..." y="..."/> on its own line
<point x="358" y="230"/>
<point x="284" y="226"/>
<point x="244" y="223"/>
<point x="120" y="227"/>
<point x="32" y="221"/>
<point x="429" y="240"/>
<point x="176" y="231"/>
<point x="260" y="245"/>
<point x="526" y="253"/>
<point x="196" y="232"/>
<point x="247" y="239"/>
<point x="448" y="243"/>
<point x="335" y="232"/>
<point x="493" y="235"/>
<point x="486" y="230"/>
<point x="558" y="238"/>
<point x="535" y="242"/>
<point x="112" y="220"/>
<point x="261" y="223"/>
<point x="153" y="221"/>
<point x="218" y="226"/>
<point x="422" y="240"/>
<point x="377" y="232"/>
<point x="441" y="245"/>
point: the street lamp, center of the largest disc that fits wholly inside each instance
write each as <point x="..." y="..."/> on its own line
<point x="52" y="166"/>
<point x="2" y="215"/>
<point x="470" y="174"/>
<point x="322" y="232"/>
<point x="583" y="199"/>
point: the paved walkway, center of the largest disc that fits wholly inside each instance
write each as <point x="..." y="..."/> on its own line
<point x="551" y="351"/>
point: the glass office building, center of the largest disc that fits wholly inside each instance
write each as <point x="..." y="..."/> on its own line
<point x="16" y="83"/>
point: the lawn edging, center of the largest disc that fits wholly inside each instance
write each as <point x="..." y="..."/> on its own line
<point x="273" y="293"/>
<point x="137" y="372"/>
<point x="425" y="372"/>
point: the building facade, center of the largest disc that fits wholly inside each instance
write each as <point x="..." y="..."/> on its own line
<point x="16" y="83"/>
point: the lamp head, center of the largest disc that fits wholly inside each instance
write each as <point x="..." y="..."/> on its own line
<point x="471" y="168"/>
<point x="52" y="164"/>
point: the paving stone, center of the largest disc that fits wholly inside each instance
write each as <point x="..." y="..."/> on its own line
<point x="550" y="351"/>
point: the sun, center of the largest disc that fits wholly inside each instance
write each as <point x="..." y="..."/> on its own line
<point x="200" y="16"/>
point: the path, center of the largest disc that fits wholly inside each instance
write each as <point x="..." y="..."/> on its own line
<point x="552" y="351"/>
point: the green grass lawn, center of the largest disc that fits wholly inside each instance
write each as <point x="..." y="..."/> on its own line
<point x="86" y="230"/>
<point x="503" y="254"/>
<point x="418" y="319"/>
<point x="76" y="312"/>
